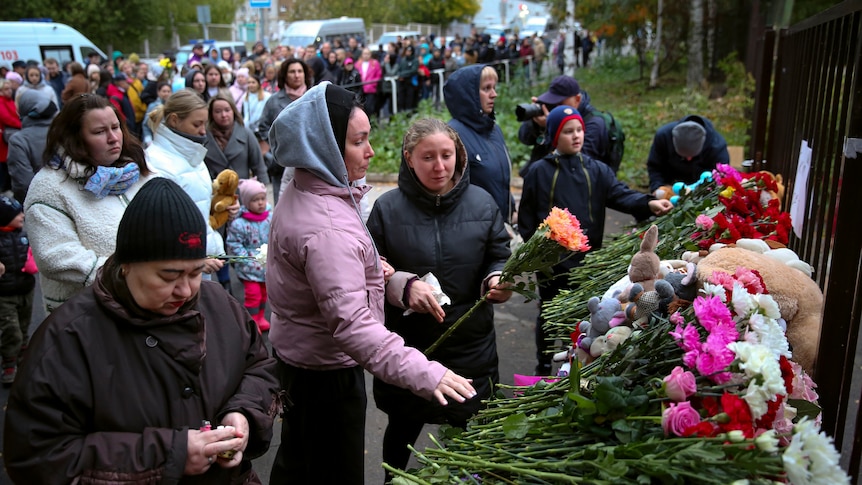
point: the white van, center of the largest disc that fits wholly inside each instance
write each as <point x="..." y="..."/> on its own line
<point x="38" y="40"/>
<point x="185" y="51"/>
<point x="303" y="33"/>
<point x="385" y="39"/>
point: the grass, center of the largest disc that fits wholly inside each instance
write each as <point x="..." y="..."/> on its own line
<point x="613" y="85"/>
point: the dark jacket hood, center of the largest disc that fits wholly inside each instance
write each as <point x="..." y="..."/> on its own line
<point x="190" y="77"/>
<point x="462" y="98"/>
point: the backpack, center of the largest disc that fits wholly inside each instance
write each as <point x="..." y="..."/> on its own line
<point x="616" y="138"/>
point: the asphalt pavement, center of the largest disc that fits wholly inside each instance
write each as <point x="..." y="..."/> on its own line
<point x="514" y="321"/>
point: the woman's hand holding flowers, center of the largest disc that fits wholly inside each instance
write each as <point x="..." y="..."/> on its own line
<point x="499" y="293"/>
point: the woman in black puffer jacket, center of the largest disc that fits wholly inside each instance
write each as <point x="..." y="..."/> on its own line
<point x="437" y="222"/>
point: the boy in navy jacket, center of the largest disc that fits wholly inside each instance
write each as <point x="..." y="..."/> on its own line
<point x="566" y="178"/>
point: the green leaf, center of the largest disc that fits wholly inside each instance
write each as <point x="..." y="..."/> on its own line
<point x="584" y="405"/>
<point x="623" y="431"/>
<point x="403" y="481"/>
<point x="804" y="408"/>
<point x="448" y="432"/>
<point x="610" y="394"/>
<point x="516" y="426"/>
<point x="637" y="398"/>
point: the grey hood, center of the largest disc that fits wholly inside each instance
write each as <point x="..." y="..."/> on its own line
<point x="36" y="107"/>
<point x="302" y="137"/>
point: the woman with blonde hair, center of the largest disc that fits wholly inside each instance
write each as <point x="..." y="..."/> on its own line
<point x="435" y="207"/>
<point x="177" y="153"/>
<point x="470" y="96"/>
<point x="253" y="103"/>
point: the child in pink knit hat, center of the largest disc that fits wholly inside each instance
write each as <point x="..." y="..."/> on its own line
<point x="245" y="236"/>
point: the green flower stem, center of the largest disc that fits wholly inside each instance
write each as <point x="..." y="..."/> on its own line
<point x="456" y="460"/>
<point x="455" y="325"/>
<point x="403" y="474"/>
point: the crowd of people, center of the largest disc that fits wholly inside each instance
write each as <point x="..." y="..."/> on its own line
<point x="108" y="172"/>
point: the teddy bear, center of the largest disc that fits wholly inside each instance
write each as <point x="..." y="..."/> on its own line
<point x="224" y="196"/>
<point x="642" y="303"/>
<point x="685" y="286"/>
<point x="610" y="341"/>
<point x="601" y="313"/>
<point x="799" y="299"/>
<point x="645" y="267"/>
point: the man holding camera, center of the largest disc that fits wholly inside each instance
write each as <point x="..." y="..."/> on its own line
<point x="564" y="90"/>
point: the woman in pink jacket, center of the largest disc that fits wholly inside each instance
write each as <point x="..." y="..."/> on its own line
<point x="326" y="283"/>
<point x="370" y="70"/>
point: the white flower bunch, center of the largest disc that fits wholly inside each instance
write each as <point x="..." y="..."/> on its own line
<point x="261" y="254"/>
<point x="762" y="313"/>
<point x="764" y="374"/>
<point x="811" y="458"/>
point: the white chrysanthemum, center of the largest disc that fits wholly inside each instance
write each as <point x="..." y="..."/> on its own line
<point x="769" y="334"/>
<point x="767" y="306"/>
<point x="757" y="397"/>
<point x="743" y="302"/>
<point x="811" y="457"/>
<point x="261" y="253"/>
<point x="761" y="368"/>
<point x="767" y="441"/>
<point x="753" y="357"/>
<point x="710" y="289"/>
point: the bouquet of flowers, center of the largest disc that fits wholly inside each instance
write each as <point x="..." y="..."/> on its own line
<point x="707" y="396"/>
<point x="746" y="209"/>
<point x="557" y="236"/>
<point x="732" y="204"/>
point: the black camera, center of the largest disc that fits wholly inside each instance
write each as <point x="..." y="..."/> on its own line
<point x="528" y="111"/>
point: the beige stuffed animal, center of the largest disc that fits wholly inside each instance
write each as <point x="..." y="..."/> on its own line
<point x="224" y="196"/>
<point x="645" y="267"/>
<point x="799" y="298"/>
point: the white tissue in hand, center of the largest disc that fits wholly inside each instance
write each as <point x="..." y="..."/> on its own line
<point x="436" y="290"/>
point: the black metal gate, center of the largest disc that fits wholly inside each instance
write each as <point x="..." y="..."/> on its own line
<point x="809" y="91"/>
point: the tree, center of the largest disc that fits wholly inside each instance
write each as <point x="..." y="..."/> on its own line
<point x="122" y="25"/>
<point x="653" y="79"/>
<point x="441" y="12"/>
<point x="694" y="76"/>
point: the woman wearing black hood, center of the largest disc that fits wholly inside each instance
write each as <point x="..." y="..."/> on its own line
<point x="470" y="94"/>
<point x="196" y="81"/>
<point x="437" y="222"/>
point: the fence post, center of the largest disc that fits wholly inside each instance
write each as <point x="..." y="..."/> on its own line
<point x="763" y="74"/>
<point x="394" y="82"/>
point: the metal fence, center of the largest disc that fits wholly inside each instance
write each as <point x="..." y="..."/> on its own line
<point x="809" y="92"/>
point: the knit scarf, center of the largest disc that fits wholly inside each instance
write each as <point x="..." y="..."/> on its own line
<point x="295" y="93"/>
<point x="251" y="216"/>
<point x="104" y="182"/>
<point x="221" y="135"/>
